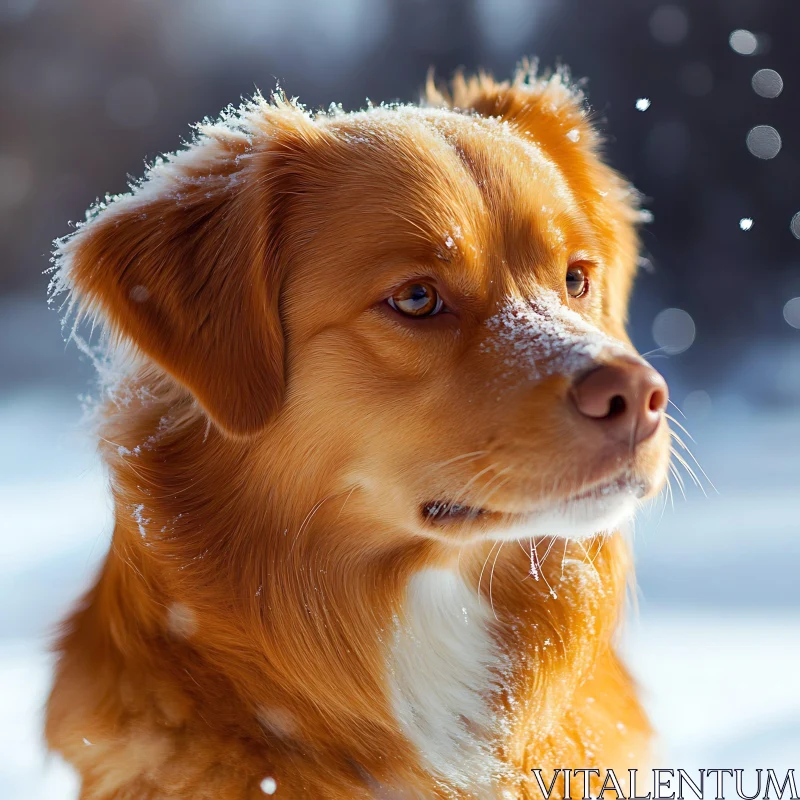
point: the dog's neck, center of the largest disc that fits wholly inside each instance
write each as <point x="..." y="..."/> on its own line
<point x="443" y="672"/>
<point x="395" y="655"/>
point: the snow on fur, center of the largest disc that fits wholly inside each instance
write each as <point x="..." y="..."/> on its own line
<point x="546" y="337"/>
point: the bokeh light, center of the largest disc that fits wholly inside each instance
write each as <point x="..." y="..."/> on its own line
<point x="669" y="24"/>
<point x="764" y="141"/>
<point x="697" y="405"/>
<point x="743" y="42"/>
<point x="673" y="330"/>
<point x="767" y="83"/>
<point x="791" y="312"/>
<point x="794" y="225"/>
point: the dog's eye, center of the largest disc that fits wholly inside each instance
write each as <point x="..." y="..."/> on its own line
<point x="577" y="282"/>
<point x="417" y="300"/>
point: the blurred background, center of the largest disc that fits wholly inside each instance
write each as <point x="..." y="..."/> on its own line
<point x="700" y="105"/>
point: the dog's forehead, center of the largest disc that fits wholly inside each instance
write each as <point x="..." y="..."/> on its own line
<point x="505" y="164"/>
<point x="468" y="183"/>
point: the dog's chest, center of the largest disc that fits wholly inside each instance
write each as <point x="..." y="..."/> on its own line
<point x="440" y="674"/>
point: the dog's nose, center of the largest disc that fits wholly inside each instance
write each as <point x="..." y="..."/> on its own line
<point x="625" y="395"/>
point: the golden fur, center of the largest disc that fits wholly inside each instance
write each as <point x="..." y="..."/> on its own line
<point x="271" y="432"/>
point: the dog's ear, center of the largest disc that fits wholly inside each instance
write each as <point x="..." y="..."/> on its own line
<point x="551" y="112"/>
<point x="545" y="107"/>
<point x="185" y="266"/>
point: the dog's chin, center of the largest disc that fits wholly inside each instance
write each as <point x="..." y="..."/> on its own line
<point x="603" y="508"/>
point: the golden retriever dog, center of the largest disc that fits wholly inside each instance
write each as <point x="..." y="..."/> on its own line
<point x="371" y="420"/>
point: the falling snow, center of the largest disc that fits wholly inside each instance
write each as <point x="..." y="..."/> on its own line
<point x="745" y="223"/>
<point x="642" y="104"/>
<point x="791" y="312"/>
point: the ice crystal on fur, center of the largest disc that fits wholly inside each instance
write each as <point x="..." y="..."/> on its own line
<point x="141" y="522"/>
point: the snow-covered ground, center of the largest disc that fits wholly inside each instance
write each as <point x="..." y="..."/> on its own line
<point x="715" y="645"/>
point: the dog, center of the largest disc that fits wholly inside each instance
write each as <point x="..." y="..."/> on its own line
<point x="372" y="424"/>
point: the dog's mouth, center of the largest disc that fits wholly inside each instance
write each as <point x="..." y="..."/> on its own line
<point x="443" y="512"/>
<point x="596" y="498"/>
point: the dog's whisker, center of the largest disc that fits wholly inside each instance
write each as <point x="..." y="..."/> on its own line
<point x="588" y="560"/>
<point x="685" y="464"/>
<point x="349" y="494"/>
<point x="459" y="495"/>
<point x="676" y="407"/>
<point x="541" y="571"/>
<point x="678" y="455"/>
<point x="694" y="458"/>
<point x="678" y="477"/>
<point x="483" y="568"/>
<point x="600" y="542"/>
<point x="550" y="546"/>
<point x="534" y="568"/>
<point x="654" y="351"/>
<point x="668" y="498"/>
<point x="675" y="421"/>
<point x="485" y="495"/>
<point x="464" y="456"/>
<point x="311" y="514"/>
<point x="689" y="452"/>
<point x="491" y="578"/>
<point x="690" y="472"/>
<point x="662" y="496"/>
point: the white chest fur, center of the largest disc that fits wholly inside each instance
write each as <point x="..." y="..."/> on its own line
<point x="440" y="671"/>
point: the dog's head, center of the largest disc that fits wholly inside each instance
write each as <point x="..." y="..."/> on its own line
<point x="421" y="308"/>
